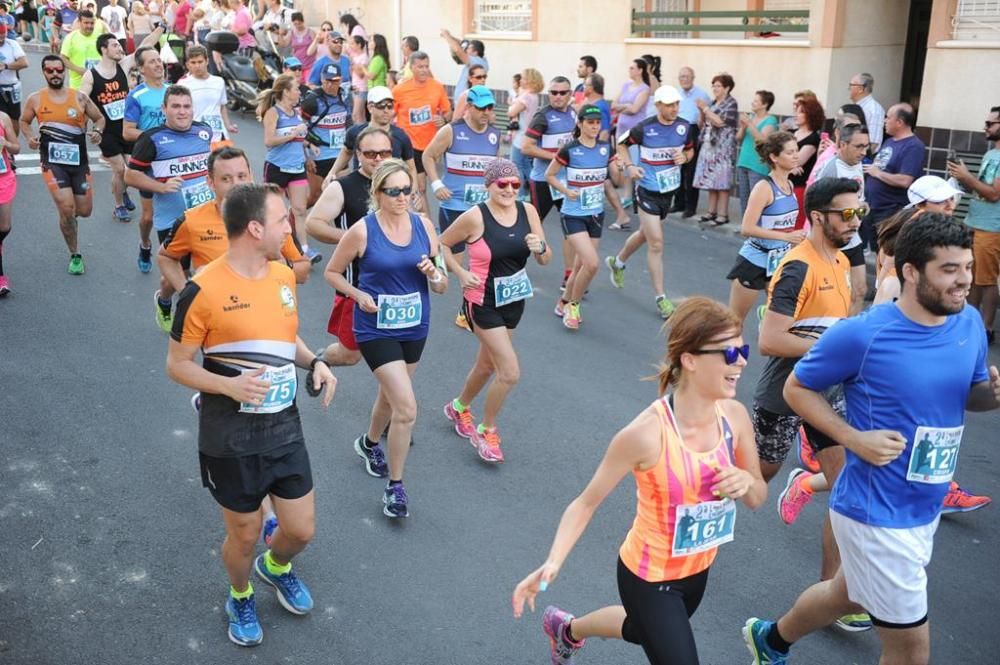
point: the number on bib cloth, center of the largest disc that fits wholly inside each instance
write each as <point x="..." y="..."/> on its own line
<point x="195" y="195"/>
<point x="281" y="394"/>
<point x="115" y="110"/>
<point x="512" y="288"/>
<point x="420" y="116"/>
<point x="395" y="312"/>
<point x="337" y="138"/>
<point x="15" y="94"/>
<point x="934" y="454"/>
<point x="475" y="194"/>
<point x="213" y="121"/>
<point x="64" y="153"/>
<point x="555" y="193"/>
<point x="702" y="526"/>
<point x="592" y="198"/>
<point x="668" y="179"/>
<point x="3" y="163"/>
<point x="774" y="258"/>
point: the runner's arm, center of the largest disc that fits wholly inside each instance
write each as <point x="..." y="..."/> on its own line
<point x="787" y="295"/>
<point x="94" y="113"/>
<point x="746" y="459"/>
<point x="441" y="285"/>
<point x="985" y="395"/>
<point x="320" y="221"/>
<point x="19" y="63"/>
<point x="552" y="177"/>
<point x="183" y="369"/>
<point x="437" y="147"/>
<point x="761" y="196"/>
<point x="128" y="62"/>
<point x="86" y="83"/>
<point x="535" y="224"/>
<point x="466" y="226"/>
<point x="351" y="246"/>
<point x="27" y="117"/>
<point x="171" y="270"/>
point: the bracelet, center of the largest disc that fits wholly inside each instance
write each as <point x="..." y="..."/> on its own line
<point x="436" y="185"/>
<point x="317" y="359"/>
<point x="438" y="277"/>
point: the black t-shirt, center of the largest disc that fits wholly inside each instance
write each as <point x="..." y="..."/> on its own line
<point x="813" y="140"/>
<point x="356" y="187"/>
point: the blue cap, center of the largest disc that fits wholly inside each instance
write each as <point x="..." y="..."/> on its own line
<point x="330" y="72"/>
<point x="292" y="61"/>
<point x="480" y="96"/>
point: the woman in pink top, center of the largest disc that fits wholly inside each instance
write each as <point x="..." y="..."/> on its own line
<point x="242" y="22"/>
<point x="631" y="110"/>
<point x="357" y="51"/>
<point x="351" y="28"/>
<point x="299" y="38"/>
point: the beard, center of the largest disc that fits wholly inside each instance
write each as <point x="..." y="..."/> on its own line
<point x="836" y="240"/>
<point x="933" y="299"/>
<point x="55" y="83"/>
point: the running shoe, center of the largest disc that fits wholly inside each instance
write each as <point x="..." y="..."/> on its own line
<point x="196" y="402"/>
<point x="664" y="307"/>
<point x="617" y="274"/>
<point x="465" y="422"/>
<point x="121" y="214"/>
<point x="145" y="260"/>
<point x="129" y="205"/>
<point x="854" y="623"/>
<point x="267" y="531"/>
<point x="794" y="497"/>
<point x="462" y="322"/>
<point x="374" y="459"/>
<point x="755" y="635"/>
<point x="4" y="286"/>
<point x="244" y="629"/>
<point x="957" y="500"/>
<point x="807" y="457"/>
<point x="394" y="501"/>
<point x="488" y="445"/>
<point x="76" y="265"/>
<point x="313" y="256"/>
<point x="571" y="317"/>
<point x="560" y="308"/>
<point x="562" y="287"/>
<point x="292" y="593"/>
<point x="561" y="649"/>
<point x="163" y="319"/>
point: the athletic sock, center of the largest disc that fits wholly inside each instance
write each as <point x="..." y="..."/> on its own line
<point x="166" y="305"/>
<point x="776" y="641"/>
<point x="567" y="273"/>
<point x="395" y="482"/>
<point x="662" y="296"/>
<point x="241" y="595"/>
<point x="618" y="263"/>
<point x="369" y="444"/>
<point x="458" y="406"/>
<point x="275" y="568"/>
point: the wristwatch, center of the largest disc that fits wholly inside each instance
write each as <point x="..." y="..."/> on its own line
<point x="317" y="359"/>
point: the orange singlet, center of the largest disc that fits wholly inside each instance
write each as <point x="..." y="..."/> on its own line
<point x="680" y="477"/>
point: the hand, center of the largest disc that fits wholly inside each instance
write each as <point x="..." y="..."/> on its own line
<point x="311" y="165"/>
<point x="958" y="170"/>
<point x="300" y="131"/>
<point x="34" y="142"/>
<point x="322" y="376"/>
<point x="233" y="128"/>
<point x="638" y="172"/>
<point x="795" y="237"/>
<point x="878" y="447"/>
<point x="248" y="387"/>
<point x="427" y="267"/>
<point x="445" y="33"/>
<point x="439" y="121"/>
<point x="366" y="303"/>
<point x="572" y="194"/>
<point x="824" y="144"/>
<point x="679" y="157"/>
<point x="417" y="202"/>
<point x="529" y="587"/>
<point x="732" y="482"/>
<point x="314" y="149"/>
<point x="995" y="382"/>
<point x="442" y="194"/>
<point x="744" y="121"/>
<point x="94" y="136"/>
<point x="535" y="243"/>
<point x="701" y="103"/>
<point x="871" y="170"/>
<point x="796" y="171"/>
<point x="171" y="186"/>
<point x="468" y="280"/>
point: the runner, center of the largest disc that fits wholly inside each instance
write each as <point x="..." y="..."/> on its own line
<point x="250" y="440"/>
<point x="79" y="48"/>
<point x="382" y="109"/>
<point x="8" y="189"/>
<point x="144" y="111"/>
<point x="326" y="113"/>
<point x="588" y="162"/>
<point x="692" y="454"/>
<point x="665" y="145"/>
<point x="208" y="93"/>
<point x="344" y="202"/>
<point x="285" y="162"/>
<point x="468" y="146"/>
<point x="886" y="505"/>
<point x="768" y="224"/>
<point x="396" y="250"/>
<point x="171" y="162"/>
<point x="61" y="142"/>
<point x="65" y="18"/>
<point x="550" y="129"/>
<point x="502" y="234"/>
<point x="12" y="60"/>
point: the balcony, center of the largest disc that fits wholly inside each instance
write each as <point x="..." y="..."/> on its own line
<point x="785" y="24"/>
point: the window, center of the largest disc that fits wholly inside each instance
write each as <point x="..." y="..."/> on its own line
<point x="977" y="20"/>
<point x="512" y="17"/>
<point x="663" y="6"/>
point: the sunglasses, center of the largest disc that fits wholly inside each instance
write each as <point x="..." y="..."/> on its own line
<point x="730" y="353"/>
<point x="558" y="93"/>
<point x="849" y="213"/>
<point x="385" y="106"/>
<point x="396" y="191"/>
<point x="488" y="107"/>
<point x="990" y="123"/>
<point x="372" y="154"/>
<point x="50" y="70"/>
<point x="338" y="41"/>
<point x="478" y="77"/>
<point x="296" y="68"/>
<point x="504" y="183"/>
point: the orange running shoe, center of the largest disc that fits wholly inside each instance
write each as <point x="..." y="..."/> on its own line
<point x="807" y="458"/>
<point x="957" y="500"/>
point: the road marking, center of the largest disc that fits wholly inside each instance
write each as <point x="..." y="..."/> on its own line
<point x="35" y="156"/>
<point x="37" y="170"/>
<point x="95" y="165"/>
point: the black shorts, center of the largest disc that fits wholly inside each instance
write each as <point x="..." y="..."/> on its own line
<point x="655" y="203"/>
<point x="378" y="352"/>
<point x="323" y="166"/>
<point x="418" y="158"/>
<point x="445" y="219"/>
<point x="486" y="318"/>
<point x="855" y="255"/>
<point x="541" y="198"/>
<point x="241" y="483"/>
<point x="113" y="144"/>
<point x="749" y="275"/>
<point x="592" y="225"/>
<point x="13" y="109"/>
<point x="77" y="178"/>
<point x="276" y="176"/>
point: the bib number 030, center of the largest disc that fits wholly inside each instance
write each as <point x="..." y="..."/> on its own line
<point x="395" y="312"/>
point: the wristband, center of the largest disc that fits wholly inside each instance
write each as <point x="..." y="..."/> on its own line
<point x="542" y="250"/>
<point x="317" y="359"/>
<point x="436" y="185"/>
<point x="438" y="277"/>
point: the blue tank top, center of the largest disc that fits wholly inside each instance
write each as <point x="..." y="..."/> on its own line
<point x="586" y="171"/>
<point x="288" y="157"/>
<point x="658" y="147"/>
<point x="164" y="153"/>
<point x="144" y="106"/>
<point x="552" y="130"/>
<point x="388" y="273"/>
<point x="465" y="162"/>
<point x="330" y="116"/>
<point x="780" y="215"/>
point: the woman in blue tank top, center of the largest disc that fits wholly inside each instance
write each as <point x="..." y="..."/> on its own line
<point x="396" y="252"/>
<point x="285" y="161"/>
<point x="769" y="224"/>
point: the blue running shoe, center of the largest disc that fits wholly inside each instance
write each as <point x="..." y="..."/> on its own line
<point x="755" y="635"/>
<point x="121" y="214"/>
<point x="129" y="205"/>
<point x="395" y="500"/>
<point x="292" y="594"/>
<point x="374" y="458"/>
<point x="270" y="525"/>
<point x="145" y="260"/>
<point x="244" y="629"/>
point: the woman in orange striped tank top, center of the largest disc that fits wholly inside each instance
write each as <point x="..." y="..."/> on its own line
<point x="692" y="454"/>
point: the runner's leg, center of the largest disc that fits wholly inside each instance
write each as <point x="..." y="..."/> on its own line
<point x="905" y="646"/>
<point x="66" y="206"/>
<point x="741" y="299"/>
<point x="498" y="343"/>
<point x="117" y="163"/>
<point x="818" y="606"/>
<point x="396" y="388"/>
<point x="585" y="267"/>
<point x="242" y="531"/>
<point x="831" y="461"/>
<point x="298" y="196"/>
<point x="296" y="526"/>
<point x="480" y="374"/>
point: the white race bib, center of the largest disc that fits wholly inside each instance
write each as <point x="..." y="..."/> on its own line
<point x="115" y="110"/>
<point x="774" y="258"/>
<point x="280" y="395"/>
<point x="702" y="526"/>
<point x="934" y="454"/>
<point x="592" y="198"/>
<point x="195" y="195"/>
<point x="395" y="312"/>
<point x="556" y="194"/>
<point x="512" y="288"/>
<point x="420" y="116"/>
<point x="668" y="179"/>
<point x="475" y="194"/>
<point x="67" y="154"/>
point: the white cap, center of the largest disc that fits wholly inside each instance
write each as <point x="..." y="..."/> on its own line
<point x="379" y="93"/>
<point x="666" y="94"/>
<point x="931" y="188"/>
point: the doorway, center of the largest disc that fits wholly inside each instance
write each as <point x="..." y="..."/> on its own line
<point x="915" y="52"/>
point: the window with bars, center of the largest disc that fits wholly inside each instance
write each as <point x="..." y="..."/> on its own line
<point x="664" y="6"/>
<point x="977" y="20"/>
<point x="512" y="17"/>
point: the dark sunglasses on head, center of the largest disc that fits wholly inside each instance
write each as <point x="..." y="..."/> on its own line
<point x="372" y="154"/>
<point x="385" y="106"/>
<point x="849" y="213"/>
<point x="396" y="191"/>
<point x="558" y="93"/>
<point x="504" y="183"/>
<point x="730" y="353"/>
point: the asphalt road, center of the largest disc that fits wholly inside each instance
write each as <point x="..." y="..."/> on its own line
<point x="111" y="546"/>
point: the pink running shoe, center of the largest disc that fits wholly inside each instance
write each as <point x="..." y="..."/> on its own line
<point x="561" y="648"/>
<point x="465" y="425"/>
<point x="795" y="496"/>
<point x="4" y="286"/>
<point x="489" y="446"/>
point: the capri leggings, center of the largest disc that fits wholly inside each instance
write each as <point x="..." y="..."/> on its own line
<point x="658" y="613"/>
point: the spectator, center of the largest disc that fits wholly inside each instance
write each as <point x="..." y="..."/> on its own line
<point x="898" y="163"/>
<point x="631" y="110"/>
<point x="468" y="53"/>
<point x="242" y="22"/>
<point x="754" y="128"/>
<point x="357" y="51"/>
<point x="521" y="111"/>
<point x="860" y="90"/>
<point x="653" y="63"/>
<point x="686" y="197"/>
<point x="329" y="47"/>
<point x="139" y="24"/>
<point x="182" y="24"/>
<point x="790" y="124"/>
<point x="809" y="118"/>
<point x="584" y="68"/>
<point x="48" y="26"/>
<point x="379" y="65"/>
<point x="29" y="20"/>
<point x="984" y="218"/>
<point x="350" y="27"/>
<point x="714" y="171"/>
<point x="477" y="76"/>
<point x="409" y="46"/>
<point x="299" y="39"/>
<point x="847" y="115"/>
<point x="115" y="17"/>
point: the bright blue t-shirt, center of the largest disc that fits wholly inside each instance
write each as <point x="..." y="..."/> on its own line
<point x="316" y="73"/>
<point x="144" y="106"/>
<point x="906" y="377"/>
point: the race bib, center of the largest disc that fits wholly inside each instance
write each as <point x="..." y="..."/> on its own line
<point x="280" y="395"/>
<point x="668" y="179"/>
<point x="64" y="153"/>
<point x="773" y="259"/>
<point x="115" y="110"/>
<point x="420" y="116"/>
<point x="15" y="93"/>
<point x="512" y="288"/>
<point x="215" y="122"/>
<point x="475" y="194"/>
<point x="195" y="195"/>
<point x="3" y="163"/>
<point x="555" y="193"/>
<point x="592" y="198"/>
<point x="337" y="138"/>
<point x="396" y="312"/>
<point x="702" y="526"/>
<point x="934" y="454"/>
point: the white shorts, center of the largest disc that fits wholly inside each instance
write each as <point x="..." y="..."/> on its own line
<point x="884" y="568"/>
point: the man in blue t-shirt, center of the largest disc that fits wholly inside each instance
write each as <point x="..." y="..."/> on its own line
<point x="897" y="164"/>
<point x="886" y="504"/>
<point x="336" y="42"/>
<point x="468" y="54"/>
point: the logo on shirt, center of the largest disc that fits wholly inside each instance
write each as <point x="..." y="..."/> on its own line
<point x="204" y="135"/>
<point x="235" y="305"/>
<point x="493" y="139"/>
<point x="681" y="130"/>
<point x="287" y="300"/>
<point x="604" y="151"/>
<point x="71" y="113"/>
<point x="210" y="235"/>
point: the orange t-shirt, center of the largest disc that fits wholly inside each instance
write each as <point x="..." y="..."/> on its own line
<point x="416" y="106"/>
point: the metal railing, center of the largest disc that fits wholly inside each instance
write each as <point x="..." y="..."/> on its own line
<point x="976" y="20"/>
<point x="759" y="23"/>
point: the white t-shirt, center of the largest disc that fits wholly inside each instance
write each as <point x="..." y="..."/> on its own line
<point x="9" y="52"/>
<point x="838" y="168"/>
<point x="114" y="18"/>
<point x="208" y="96"/>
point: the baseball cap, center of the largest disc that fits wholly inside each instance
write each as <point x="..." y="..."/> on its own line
<point x="666" y="94"/>
<point x="480" y="96"/>
<point x="930" y="188"/>
<point x="335" y="35"/>
<point x="378" y="94"/>
<point x="589" y="112"/>
<point x="330" y="72"/>
<point x="292" y="61"/>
